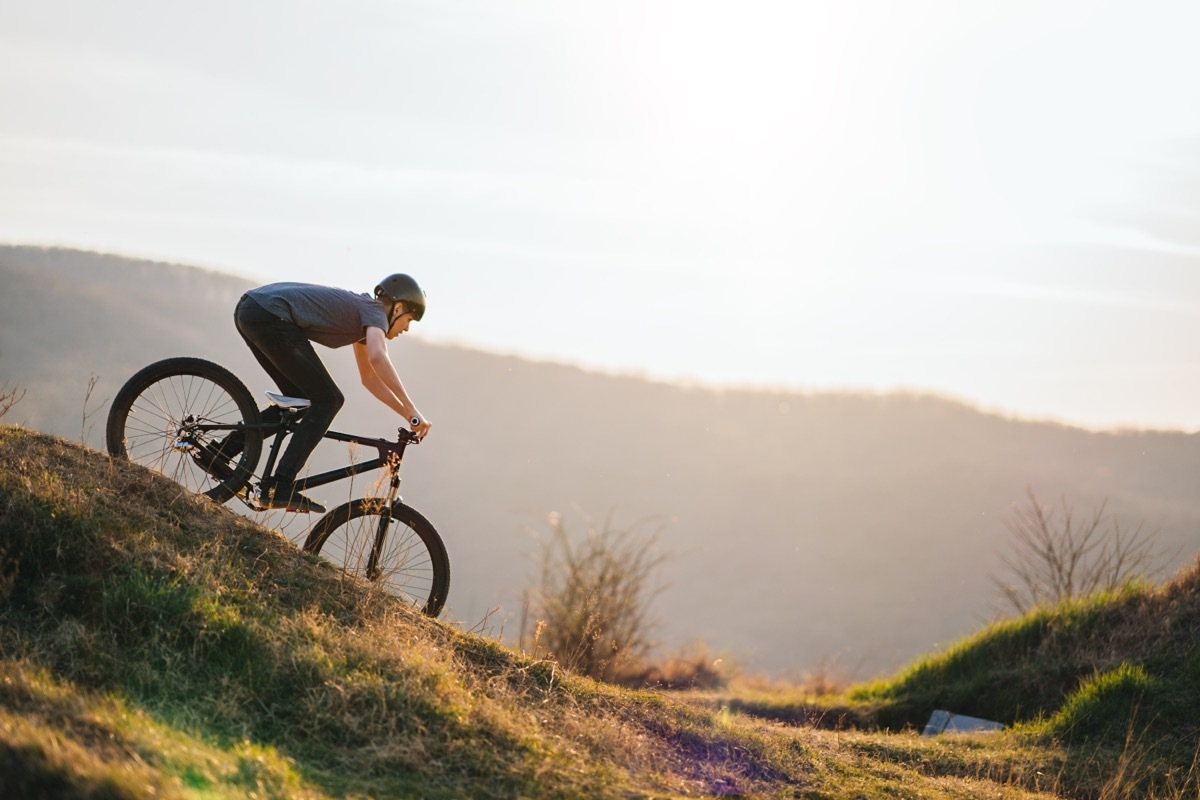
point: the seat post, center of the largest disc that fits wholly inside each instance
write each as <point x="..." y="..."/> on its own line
<point x="291" y="407"/>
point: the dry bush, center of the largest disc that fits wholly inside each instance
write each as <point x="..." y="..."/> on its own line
<point x="591" y="609"/>
<point x="1054" y="557"/>
<point x="9" y="397"/>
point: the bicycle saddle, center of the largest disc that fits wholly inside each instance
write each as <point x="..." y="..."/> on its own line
<point x="290" y="403"/>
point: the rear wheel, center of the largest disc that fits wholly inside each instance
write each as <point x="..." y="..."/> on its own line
<point x="394" y="546"/>
<point x="163" y="419"/>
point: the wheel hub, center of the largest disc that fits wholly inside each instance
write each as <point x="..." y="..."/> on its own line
<point x="185" y="437"/>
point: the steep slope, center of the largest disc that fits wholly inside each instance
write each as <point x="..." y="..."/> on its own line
<point x="226" y="638"/>
<point x="156" y="645"/>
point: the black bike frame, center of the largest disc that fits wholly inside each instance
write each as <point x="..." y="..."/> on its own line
<point x="390" y="454"/>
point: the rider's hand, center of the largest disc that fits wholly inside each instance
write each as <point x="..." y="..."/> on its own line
<point x="419" y="425"/>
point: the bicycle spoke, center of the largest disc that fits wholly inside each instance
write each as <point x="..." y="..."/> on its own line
<point x="156" y="418"/>
<point x="167" y="416"/>
<point x="404" y="568"/>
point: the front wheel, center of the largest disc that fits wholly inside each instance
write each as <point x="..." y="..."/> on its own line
<point x="392" y="545"/>
<point x="173" y="416"/>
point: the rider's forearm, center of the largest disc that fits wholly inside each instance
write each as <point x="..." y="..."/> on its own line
<point x="390" y="389"/>
<point x="384" y="395"/>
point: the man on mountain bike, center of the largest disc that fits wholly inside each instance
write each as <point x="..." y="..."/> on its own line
<point x="280" y="321"/>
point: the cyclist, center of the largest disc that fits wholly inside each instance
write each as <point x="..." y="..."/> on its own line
<point x="280" y="321"/>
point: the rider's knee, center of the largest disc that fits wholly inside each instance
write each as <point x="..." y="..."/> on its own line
<point x="336" y="400"/>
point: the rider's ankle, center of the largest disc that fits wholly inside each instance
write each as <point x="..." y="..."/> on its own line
<point x="275" y="484"/>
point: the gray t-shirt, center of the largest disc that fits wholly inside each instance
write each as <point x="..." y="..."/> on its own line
<point x="328" y="316"/>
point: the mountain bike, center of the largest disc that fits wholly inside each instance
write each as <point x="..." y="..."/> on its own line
<point x="171" y="417"/>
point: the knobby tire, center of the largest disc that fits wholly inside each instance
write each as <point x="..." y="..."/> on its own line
<point x="150" y="409"/>
<point x="413" y="565"/>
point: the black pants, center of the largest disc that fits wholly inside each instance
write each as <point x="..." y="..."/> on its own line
<point x="289" y="358"/>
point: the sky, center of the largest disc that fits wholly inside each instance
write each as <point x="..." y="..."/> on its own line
<point x="995" y="201"/>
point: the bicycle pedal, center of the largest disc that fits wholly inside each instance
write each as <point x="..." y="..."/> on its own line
<point x="252" y="498"/>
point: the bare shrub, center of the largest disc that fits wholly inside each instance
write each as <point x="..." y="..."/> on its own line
<point x="592" y="604"/>
<point x="9" y="397"/>
<point x="1054" y="556"/>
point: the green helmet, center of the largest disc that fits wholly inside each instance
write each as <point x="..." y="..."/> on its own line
<point x="401" y="288"/>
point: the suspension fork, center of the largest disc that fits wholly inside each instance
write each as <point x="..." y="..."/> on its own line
<point x="374" y="573"/>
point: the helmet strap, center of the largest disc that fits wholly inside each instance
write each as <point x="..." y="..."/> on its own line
<point x="389" y="304"/>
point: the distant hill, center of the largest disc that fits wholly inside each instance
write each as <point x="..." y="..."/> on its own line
<point x="801" y="527"/>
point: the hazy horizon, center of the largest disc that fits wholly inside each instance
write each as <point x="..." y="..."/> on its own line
<point x="991" y="203"/>
<point x="644" y="374"/>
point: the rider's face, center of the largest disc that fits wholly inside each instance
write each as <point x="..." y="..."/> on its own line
<point x="400" y="321"/>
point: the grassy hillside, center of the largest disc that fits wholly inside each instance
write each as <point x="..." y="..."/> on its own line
<point x="1117" y="673"/>
<point x="1137" y="651"/>
<point x="1112" y="679"/>
<point x="156" y="645"/>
